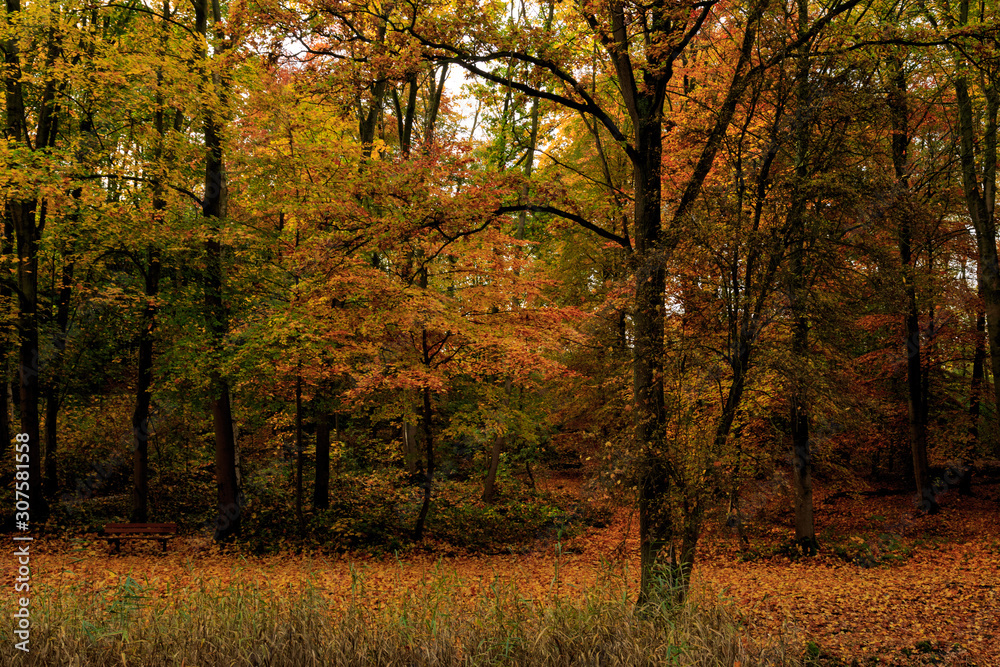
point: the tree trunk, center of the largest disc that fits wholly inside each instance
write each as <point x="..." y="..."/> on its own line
<point x="144" y="380"/>
<point x="27" y="283"/>
<point x="899" y="114"/>
<point x="489" y="487"/>
<point x="418" y="531"/>
<point x="978" y="367"/>
<point x="434" y="104"/>
<point x="404" y="116"/>
<point x="368" y="122"/>
<point x="230" y="502"/>
<point x="27" y="219"/>
<point x="143" y="396"/>
<point x="299" y="454"/>
<point x="805" y="530"/>
<point x="5" y="433"/>
<point x="321" y="490"/>
<point x="655" y="524"/>
<point x="411" y="448"/>
<point x="645" y="107"/>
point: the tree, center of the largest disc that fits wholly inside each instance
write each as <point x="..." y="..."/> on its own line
<point x="214" y="208"/>
<point x="641" y="46"/>
<point x="977" y="152"/>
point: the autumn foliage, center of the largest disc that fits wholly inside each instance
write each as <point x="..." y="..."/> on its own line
<point x="371" y="279"/>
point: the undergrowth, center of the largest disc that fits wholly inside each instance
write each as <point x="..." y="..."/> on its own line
<point x="134" y="624"/>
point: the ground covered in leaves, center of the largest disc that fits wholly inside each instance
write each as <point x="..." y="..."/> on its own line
<point x="889" y="586"/>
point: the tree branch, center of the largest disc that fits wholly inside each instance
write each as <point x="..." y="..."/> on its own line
<point x="583" y="222"/>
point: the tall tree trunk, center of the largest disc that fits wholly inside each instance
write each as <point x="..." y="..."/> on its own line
<point x="655" y="524"/>
<point x="27" y="218"/>
<point x="144" y="379"/>
<point x="805" y="530"/>
<point x="645" y="107"/>
<point x="230" y="502"/>
<point x="321" y="490"/>
<point x="899" y="114"/>
<point x="143" y="396"/>
<point x="299" y="453"/>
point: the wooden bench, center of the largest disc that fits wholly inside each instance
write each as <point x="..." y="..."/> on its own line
<point x="114" y="533"/>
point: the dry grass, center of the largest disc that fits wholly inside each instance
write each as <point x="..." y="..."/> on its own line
<point x="244" y="625"/>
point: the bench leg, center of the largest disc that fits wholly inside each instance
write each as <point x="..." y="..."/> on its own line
<point x="115" y="546"/>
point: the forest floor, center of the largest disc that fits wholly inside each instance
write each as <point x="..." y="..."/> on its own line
<point x="888" y="584"/>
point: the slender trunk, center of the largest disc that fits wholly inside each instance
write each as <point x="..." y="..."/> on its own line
<point x="144" y="380"/>
<point x="899" y="114"/>
<point x="4" y="418"/>
<point x="434" y="104"/>
<point x="927" y="354"/>
<point x="978" y="367"/>
<point x="321" y="491"/>
<point x="143" y="395"/>
<point x="531" y="475"/>
<point x="404" y="116"/>
<point x="229" y="499"/>
<point x="418" y="531"/>
<point x="529" y="158"/>
<point x="805" y="530"/>
<point x="299" y="453"/>
<point x="694" y="507"/>
<point x="411" y="448"/>
<point x="735" y="517"/>
<point x="50" y="481"/>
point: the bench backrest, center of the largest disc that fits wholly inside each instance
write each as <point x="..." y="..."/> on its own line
<point x="143" y="528"/>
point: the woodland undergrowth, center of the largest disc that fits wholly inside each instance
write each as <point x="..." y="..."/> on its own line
<point x="244" y="624"/>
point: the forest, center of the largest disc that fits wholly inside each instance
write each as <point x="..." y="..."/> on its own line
<point x="705" y="293"/>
